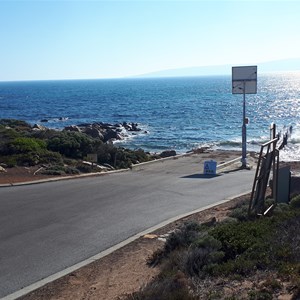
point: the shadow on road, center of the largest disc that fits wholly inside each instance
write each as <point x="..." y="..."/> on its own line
<point x="202" y="176"/>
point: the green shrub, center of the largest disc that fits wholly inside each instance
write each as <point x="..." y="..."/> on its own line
<point x="207" y="241"/>
<point x="180" y="238"/>
<point x="240" y="213"/>
<point x="202" y="260"/>
<point x="59" y="170"/>
<point x="272" y="284"/>
<point x="10" y="161"/>
<point x="7" y="135"/>
<point x="53" y="172"/>
<point x="15" y="124"/>
<point x="295" y="202"/>
<point x="49" y="157"/>
<point x="260" y="295"/>
<point x="288" y="240"/>
<point x="71" y="170"/>
<point x="174" y="287"/>
<point x="27" y="159"/>
<point x="239" y="266"/>
<point x="71" y="144"/>
<point x="281" y="208"/>
<point x="237" y="238"/>
<point x="120" y="158"/>
<point x="24" y="145"/>
<point x="83" y="168"/>
<point x="234" y="250"/>
<point x="183" y="237"/>
<point x="31" y="158"/>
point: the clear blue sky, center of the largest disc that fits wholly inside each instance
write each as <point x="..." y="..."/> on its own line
<point x="107" y="39"/>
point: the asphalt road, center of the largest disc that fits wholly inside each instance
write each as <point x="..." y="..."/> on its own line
<point x="45" y="228"/>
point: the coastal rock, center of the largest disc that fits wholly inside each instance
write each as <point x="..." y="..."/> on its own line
<point x="106" y="132"/>
<point x="131" y="126"/>
<point x="94" y="133"/>
<point x="167" y="153"/>
<point x="39" y="127"/>
<point x="111" y="134"/>
<point x="72" y="128"/>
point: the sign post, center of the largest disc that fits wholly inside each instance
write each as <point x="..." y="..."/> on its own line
<point x="244" y="81"/>
<point x="92" y="157"/>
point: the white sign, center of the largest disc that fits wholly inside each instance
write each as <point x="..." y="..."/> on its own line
<point x="93" y="158"/>
<point x="210" y="167"/>
<point x="244" y="80"/>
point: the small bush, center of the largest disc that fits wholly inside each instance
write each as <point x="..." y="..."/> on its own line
<point x="239" y="266"/>
<point x="180" y="238"/>
<point x="23" y="145"/>
<point x="240" y="213"/>
<point x="71" y="170"/>
<point x="174" y="287"/>
<point x="7" y="135"/>
<point x="280" y="208"/>
<point x="83" y="168"/>
<point x="120" y="158"/>
<point x="207" y="241"/>
<point x="59" y="170"/>
<point x="236" y="250"/>
<point x="237" y="238"/>
<point x="10" y="161"/>
<point x="49" y="157"/>
<point x="27" y="159"/>
<point x="272" y="284"/>
<point x="287" y="245"/>
<point x="71" y="144"/>
<point x="15" y="124"/>
<point x="183" y="237"/>
<point x="295" y="202"/>
<point x="260" y="295"/>
<point x="53" y="172"/>
<point x="202" y="260"/>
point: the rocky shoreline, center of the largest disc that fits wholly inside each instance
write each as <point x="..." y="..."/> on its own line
<point x="109" y="133"/>
<point x="75" y="149"/>
<point x="106" y="132"/>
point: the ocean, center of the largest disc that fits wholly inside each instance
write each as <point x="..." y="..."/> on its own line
<point x="173" y="113"/>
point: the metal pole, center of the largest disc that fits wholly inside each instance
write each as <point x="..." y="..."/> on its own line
<point x="244" y="136"/>
<point x="275" y="174"/>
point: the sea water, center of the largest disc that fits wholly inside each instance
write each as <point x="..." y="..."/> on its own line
<point x="174" y="113"/>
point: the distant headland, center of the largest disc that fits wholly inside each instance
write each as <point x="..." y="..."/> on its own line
<point x="266" y="67"/>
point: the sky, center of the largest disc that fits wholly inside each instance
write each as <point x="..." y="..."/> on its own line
<point x="55" y="39"/>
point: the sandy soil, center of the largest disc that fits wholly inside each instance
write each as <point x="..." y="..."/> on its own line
<point x="125" y="270"/>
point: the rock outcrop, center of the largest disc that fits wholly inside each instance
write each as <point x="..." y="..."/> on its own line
<point x="167" y="153"/>
<point x="106" y="132"/>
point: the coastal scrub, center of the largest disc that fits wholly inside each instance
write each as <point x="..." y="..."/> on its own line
<point x="202" y="261"/>
<point x="24" y="145"/>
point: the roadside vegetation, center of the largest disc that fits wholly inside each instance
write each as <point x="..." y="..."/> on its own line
<point x="241" y="257"/>
<point x="60" y="152"/>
